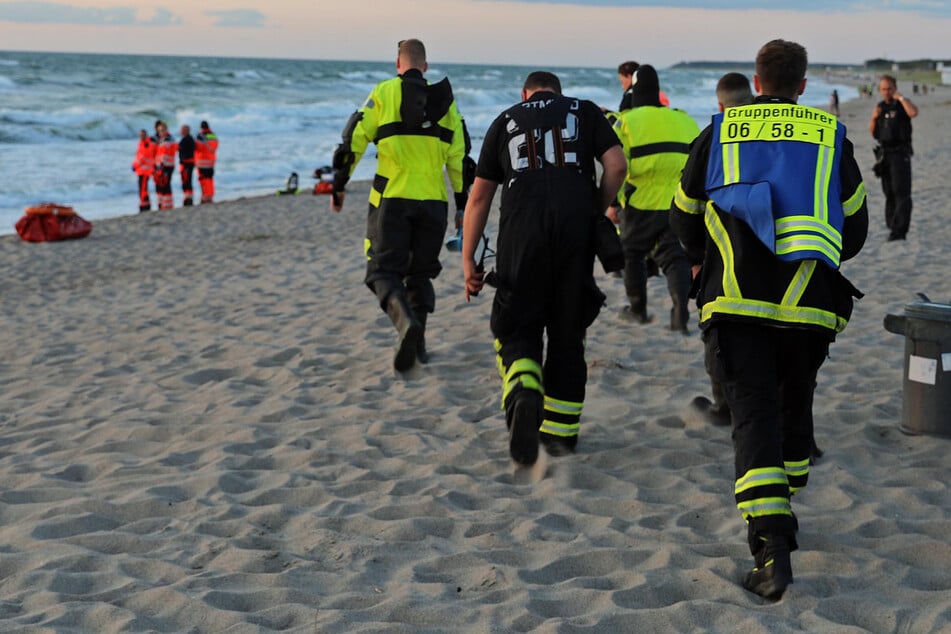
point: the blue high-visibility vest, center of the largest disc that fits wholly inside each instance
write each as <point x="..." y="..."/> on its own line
<point x="776" y="167"/>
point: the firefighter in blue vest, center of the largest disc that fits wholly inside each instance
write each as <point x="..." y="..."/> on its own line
<point x="418" y="131"/>
<point x="772" y="200"/>
<point x="543" y="152"/>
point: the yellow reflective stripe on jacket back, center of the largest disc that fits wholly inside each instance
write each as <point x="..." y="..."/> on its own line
<point x="775" y="312"/>
<point x="731" y="286"/>
<point x="799" y="283"/>
<point x="733" y="303"/>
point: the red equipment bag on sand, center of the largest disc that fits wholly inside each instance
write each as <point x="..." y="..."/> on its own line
<point x="49" y="222"/>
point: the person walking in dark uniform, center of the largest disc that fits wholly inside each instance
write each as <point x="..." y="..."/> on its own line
<point x="418" y="131"/>
<point x="542" y="151"/>
<point x="186" y="163"/>
<point x="772" y="200"/>
<point x="891" y="127"/>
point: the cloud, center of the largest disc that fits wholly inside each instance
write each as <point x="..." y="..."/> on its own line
<point x="930" y="7"/>
<point x="245" y="18"/>
<point x="58" y="13"/>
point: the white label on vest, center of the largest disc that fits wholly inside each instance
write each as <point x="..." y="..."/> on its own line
<point x="946" y="361"/>
<point x="922" y="369"/>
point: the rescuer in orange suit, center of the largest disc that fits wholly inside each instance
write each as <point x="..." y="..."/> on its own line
<point x="144" y="166"/>
<point x="206" y="148"/>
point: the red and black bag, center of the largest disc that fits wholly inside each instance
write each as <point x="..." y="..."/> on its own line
<point x="49" y="222"/>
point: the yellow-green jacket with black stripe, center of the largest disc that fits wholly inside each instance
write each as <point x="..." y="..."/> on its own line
<point x="744" y="280"/>
<point x="656" y="142"/>
<point x="410" y="158"/>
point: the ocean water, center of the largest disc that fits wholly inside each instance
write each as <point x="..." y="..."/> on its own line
<point x="69" y="122"/>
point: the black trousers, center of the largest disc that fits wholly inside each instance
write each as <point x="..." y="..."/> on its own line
<point x="896" y="185"/>
<point x="648" y="233"/>
<point x="768" y="376"/>
<point x="404" y="238"/>
<point x="546" y="294"/>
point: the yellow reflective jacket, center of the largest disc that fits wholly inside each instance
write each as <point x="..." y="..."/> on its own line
<point x="656" y="143"/>
<point x="409" y="162"/>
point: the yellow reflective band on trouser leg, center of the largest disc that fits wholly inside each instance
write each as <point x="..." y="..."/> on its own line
<point x="526" y="373"/>
<point x="797" y="474"/>
<point x="366" y="247"/>
<point x="562" y="418"/>
<point x="761" y="492"/>
<point x="761" y="507"/>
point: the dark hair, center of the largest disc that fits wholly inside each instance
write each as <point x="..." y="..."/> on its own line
<point x="889" y="78"/>
<point x="541" y="79"/>
<point x="627" y="68"/>
<point x="733" y="89"/>
<point x="781" y="67"/>
<point x="204" y="125"/>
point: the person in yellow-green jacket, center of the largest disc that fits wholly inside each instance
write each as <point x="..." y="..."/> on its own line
<point x="772" y="202"/>
<point x="418" y="132"/>
<point x="656" y="142"/>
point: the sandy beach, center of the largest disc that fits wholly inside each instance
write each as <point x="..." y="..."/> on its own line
<point x="202" y="432"/>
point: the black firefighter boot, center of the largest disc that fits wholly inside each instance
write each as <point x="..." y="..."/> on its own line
<point x="421" y="353"/>
<point x="773" y="570"/>
<point x="409" y="329"/>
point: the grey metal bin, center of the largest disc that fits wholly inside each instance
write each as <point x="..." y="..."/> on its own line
<point x="926" y="405"/>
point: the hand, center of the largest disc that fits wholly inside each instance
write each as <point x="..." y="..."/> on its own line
<point x="336" y="201"/>
<point x="612" y="213"/>
<point x="475" y="279"/>
<point x="695" y="271"/>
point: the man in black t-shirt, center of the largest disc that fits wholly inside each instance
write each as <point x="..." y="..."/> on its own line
<point x="543" y="151"/>
<point x="891" y="127"/>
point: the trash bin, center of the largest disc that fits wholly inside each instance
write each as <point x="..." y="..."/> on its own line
<point x="926" y="406"/>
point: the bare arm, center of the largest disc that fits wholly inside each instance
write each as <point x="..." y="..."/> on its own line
<point x="871" y="124"/>
<point x="910" y="109"/>
<point x="474" y="220"/>
<point x="614" y="171"/>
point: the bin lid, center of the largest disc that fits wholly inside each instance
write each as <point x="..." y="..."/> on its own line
<point x="929" y="310"/>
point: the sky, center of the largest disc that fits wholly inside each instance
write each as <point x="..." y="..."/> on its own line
<point x="599" y="33"/>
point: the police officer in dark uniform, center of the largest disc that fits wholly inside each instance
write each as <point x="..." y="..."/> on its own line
<point x="543" y="152"/>
<point x="891" y="126"/>
<point x="418" y="130"/>
<point x="772" y="200"/>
